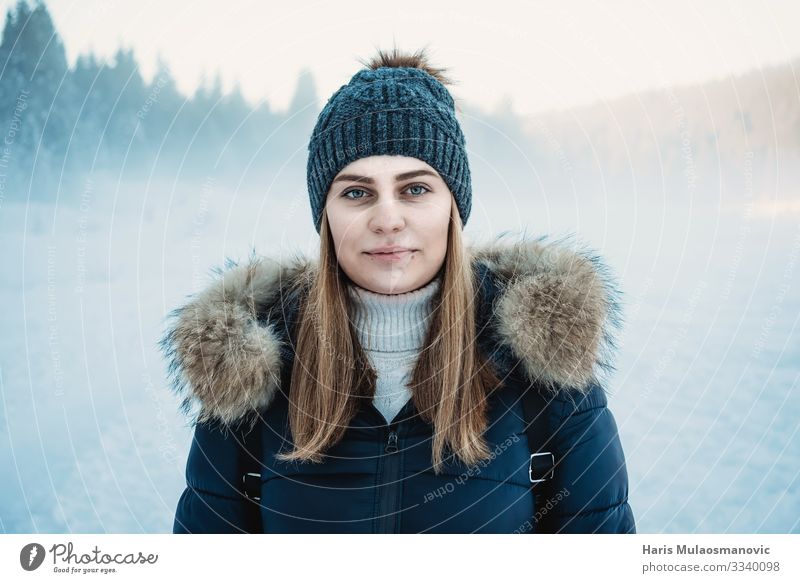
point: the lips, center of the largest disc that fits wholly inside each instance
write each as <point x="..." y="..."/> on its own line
<point x="398" y="255"/>
<point x="389" y="249"/>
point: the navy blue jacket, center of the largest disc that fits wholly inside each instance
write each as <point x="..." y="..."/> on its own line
<point x="545" y="317"/>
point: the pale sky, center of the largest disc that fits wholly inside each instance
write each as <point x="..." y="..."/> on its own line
<point x="543" y="55"/>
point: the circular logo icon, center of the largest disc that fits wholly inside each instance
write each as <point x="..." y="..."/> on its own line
<point x="31" y="556"/>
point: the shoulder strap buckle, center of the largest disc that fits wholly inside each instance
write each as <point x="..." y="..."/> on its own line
<point x="542" y="466"/>
<point x="252" y="485"/>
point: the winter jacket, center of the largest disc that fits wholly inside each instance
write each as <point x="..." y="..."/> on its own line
<point x="546" y="317"/>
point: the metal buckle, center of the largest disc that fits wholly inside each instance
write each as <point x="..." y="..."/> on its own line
<point x="246" y="488"/>
<point x="549" y="474"/>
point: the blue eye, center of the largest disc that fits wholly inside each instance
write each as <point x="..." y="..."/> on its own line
<point x="425" y="188"/>
<point x="353" y="190"/>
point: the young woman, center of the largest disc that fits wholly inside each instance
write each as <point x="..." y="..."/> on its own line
<point x="382" y="388"/>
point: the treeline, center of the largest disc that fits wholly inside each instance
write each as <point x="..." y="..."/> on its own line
<point x="61" y="124"/>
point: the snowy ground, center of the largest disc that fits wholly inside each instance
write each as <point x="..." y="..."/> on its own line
<point x="705" y="395"/>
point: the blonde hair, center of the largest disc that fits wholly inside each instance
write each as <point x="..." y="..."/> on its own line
<point x="331" y="371"/>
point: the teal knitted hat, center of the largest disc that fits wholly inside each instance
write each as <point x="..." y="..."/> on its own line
<point x="389" y="111"/>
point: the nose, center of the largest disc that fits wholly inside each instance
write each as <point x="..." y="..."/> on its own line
<point x="387" y="217"/>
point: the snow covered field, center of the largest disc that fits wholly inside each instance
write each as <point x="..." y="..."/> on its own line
<point x="705" y="393"/>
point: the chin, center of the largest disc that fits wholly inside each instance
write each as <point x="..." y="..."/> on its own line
<point x="383" y="286"/>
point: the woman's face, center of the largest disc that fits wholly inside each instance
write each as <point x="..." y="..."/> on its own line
<point x="384" y="201"/>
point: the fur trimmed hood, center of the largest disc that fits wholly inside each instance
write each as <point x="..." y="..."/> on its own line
<point x="554" y="309"/>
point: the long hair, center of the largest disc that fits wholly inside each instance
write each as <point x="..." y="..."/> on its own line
<point x="332" y="373"/>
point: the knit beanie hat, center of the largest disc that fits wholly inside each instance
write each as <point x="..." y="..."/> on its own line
<point x="389" y="110"/>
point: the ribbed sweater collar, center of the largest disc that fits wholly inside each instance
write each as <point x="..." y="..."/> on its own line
<point x="393" y="322"/>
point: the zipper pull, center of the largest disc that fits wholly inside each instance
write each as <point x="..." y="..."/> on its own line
<point x="391" y="445"/>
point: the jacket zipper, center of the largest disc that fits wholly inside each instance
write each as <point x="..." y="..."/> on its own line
<point x="390" y="479"/>
<point x="389" y="470"/>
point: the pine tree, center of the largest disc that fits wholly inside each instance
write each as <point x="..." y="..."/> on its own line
<point x="32" y="95"/>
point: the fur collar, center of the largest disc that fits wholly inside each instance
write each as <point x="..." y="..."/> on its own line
<point x="555" y="309"/>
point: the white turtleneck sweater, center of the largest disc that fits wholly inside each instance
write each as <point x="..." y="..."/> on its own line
<point x="392" y="330"/>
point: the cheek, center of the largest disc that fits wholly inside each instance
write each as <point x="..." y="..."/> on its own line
<point x="338" y="222"/>
<point x="432" y="225"/>
<point x="436" y="218"/>
<point x="345" y="232"/>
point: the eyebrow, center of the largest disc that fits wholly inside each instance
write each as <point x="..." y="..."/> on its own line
<point x="368" y="180"/>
